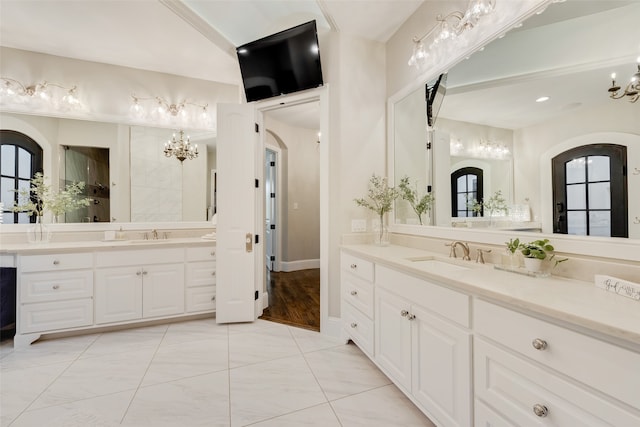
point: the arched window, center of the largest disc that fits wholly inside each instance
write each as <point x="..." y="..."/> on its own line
<point x="20" y="159"/>
<point x="466" y="185"/>
<point x="590" y="191"/>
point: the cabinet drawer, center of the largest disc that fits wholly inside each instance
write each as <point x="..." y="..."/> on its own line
<point x="357" y="266"/>
<point x="203" y="253"/>
<point x="202" y="298"/>
<point x="201" y="273"/>
<point x="603" y="366"/>
<point x="358" y="327"/>
<point x="445" y="302"/>
<point x="484" y="416"/>
<point x="359" y="293"/>
<point x="55" y="262"/>
<point x="139" y="257"/>
<point x="516" y="388"/>
<point x="51" y="316"/>
<point x="56" y="285"/>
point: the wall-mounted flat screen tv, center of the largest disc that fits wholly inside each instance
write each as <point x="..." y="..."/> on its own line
<point x="285" y="62"/>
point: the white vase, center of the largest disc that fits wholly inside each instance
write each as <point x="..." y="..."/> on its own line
<point x="534" y="265"/>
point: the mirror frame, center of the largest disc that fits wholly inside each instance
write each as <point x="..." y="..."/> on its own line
<point x="500" y="22"/>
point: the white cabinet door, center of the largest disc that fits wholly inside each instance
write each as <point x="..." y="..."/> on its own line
<point x="162" y="290"/>
<point x="441" y="368"/>
<point x="118" y="294"/>
<point x="393" y="337"/>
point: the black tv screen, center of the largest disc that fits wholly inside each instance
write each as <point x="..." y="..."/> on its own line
<point x="285" y="62"/>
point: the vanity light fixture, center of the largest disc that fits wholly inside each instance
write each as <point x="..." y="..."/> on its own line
<point x="449" y="27"/>
<point x="180" y="148"/>
<point x="632" y="91"/>
<point x="184" y="113"/>
<point x="44" y="95"/>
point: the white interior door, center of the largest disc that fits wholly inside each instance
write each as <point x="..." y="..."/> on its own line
<point x="237" y="144"/>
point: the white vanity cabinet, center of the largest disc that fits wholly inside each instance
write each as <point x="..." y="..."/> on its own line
<point x="357" y="301"/>
<point x="55" y="292"/>
<point x="423" y="344"/>
<point x="139" y="284"/>
<point x="200" y="279"/>
<point x="534" y="372"/>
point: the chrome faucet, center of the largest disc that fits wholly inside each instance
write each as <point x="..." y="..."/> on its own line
<point x="465" y="250"/>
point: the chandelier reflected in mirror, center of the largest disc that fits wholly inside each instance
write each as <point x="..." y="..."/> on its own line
<point x="632" y="91"/>
<point x="180" y="148"/>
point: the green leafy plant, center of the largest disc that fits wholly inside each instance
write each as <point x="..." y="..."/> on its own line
<point x="495" y="203"/>
<point x="513" y="245"/>
<point x="380" y="198"/>
<point x="420" y="205"/>
<point x="39" y="198"/>
<point x="540" y="249"/>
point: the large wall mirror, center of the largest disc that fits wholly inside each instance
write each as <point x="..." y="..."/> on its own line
<point x="124" y="168"/>
<point x="514" y="110"/>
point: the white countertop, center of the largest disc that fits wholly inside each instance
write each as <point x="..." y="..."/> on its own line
<point x="90" y="245"/>
<point x="576" y="302"/>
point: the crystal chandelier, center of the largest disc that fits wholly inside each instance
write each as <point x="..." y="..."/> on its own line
<point x="632" y="90"/>
<point x="180" y="148"/>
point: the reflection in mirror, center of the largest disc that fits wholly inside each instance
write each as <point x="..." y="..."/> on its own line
<point x="136" y="181"/>
<point x="91" y="166"/>
<point x="490" y="118"/>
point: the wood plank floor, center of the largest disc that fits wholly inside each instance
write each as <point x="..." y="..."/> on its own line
<point x="294" y="298"/>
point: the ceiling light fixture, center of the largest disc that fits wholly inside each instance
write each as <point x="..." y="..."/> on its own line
<point x="184" y="113"/>
<point x="42" y="96"/>
<point x="632" y="90"/>
<point x="543" y="99"/>
<point x="180" y="148"/>
<point x="449" y="27"/>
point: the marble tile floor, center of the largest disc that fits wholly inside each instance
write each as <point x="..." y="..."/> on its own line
<point x="198" y="373"/>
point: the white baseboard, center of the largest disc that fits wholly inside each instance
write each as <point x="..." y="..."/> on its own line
<point x="265" y="300"/>
<point x="303" y="264"/>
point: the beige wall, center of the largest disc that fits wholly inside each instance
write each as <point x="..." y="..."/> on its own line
<point x="301" y="230"/>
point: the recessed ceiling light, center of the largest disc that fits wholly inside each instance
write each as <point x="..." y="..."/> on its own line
<point x="542" y="99"/>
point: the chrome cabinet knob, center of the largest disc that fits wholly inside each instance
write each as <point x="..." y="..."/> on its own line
<point x="411" y="316"/>
<point x="354" y="325"/>
<point x="213" y="274"/>
<point x="540" y="410"/>
<point x="539" y="344"/>
<point x="56" y="286"/>
<point x="144" y="273"/>
<point x="404" y="313"/>
<point x="213" y="253"/>
<point x="354" y="266"/>
<point x="56" y="262"/>
<point x="213" y="298"/>
<point x="138" y="273"/>
<point x="354" y="293"/>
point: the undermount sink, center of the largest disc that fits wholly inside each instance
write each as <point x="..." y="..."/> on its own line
<point x="436" y="265"/>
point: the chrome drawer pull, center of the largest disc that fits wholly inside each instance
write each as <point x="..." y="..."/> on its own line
<point x="56" y="286"/>
<point x="354" y="325"/>
<point x="540" y="410"/>
<point x="404" y="313"/>
<point x="56" y="262"/>
<point x="354" y="266"/>
<point x="539" y="344"/>
<point x="354" y="293"/>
